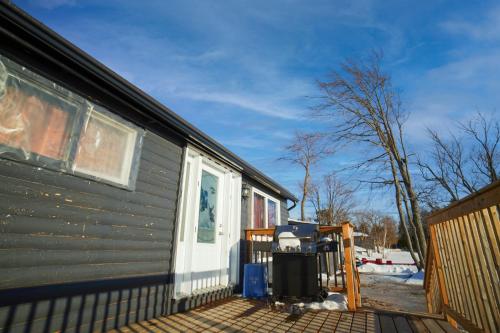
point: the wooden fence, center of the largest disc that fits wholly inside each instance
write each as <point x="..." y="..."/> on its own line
<point x="462" y="271"/>
<point x="342" y="264"/>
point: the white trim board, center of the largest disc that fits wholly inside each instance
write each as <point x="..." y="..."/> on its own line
<point x="266" y="197"/>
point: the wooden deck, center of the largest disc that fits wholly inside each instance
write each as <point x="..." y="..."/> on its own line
<point x="242" y="315"/>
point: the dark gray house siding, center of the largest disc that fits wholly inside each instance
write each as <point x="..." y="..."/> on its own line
<point x="65" y="239"/>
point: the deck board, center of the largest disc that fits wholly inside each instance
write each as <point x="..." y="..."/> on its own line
<point x="241" y="315"/>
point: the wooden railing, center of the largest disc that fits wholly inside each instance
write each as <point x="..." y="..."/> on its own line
<point x="340" y="266"/>
<point x="462" y="271"/>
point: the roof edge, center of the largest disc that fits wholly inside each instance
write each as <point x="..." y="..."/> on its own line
<point x="34" y="30"/>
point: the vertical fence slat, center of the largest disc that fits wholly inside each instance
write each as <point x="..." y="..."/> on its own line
<point x="489" y="242"/>
<point x="439" y="267"/>
<point x="487" y="265"/>
<point x="488" y="320"/>
<point x="458" y="273"/>
<point x="473" y="273"/>
<point x="465" y="273"/>
<point x="449" y="283"/>
<point x="493" y="234"/>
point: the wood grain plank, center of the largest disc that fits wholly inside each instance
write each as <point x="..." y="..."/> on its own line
<point x="432" y="325"/>
<point x="387" y="324"/>
<point x="402" y="325"/>
<point x="417" y="325"/>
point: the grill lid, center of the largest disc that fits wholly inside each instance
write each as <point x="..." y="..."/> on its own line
<point x="295" y="238"/>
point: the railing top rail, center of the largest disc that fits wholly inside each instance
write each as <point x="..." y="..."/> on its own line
<point x="484" y="198"/>
<point x="324" y="229"/>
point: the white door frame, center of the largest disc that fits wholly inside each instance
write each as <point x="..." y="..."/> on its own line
<point x="230" y="218"/>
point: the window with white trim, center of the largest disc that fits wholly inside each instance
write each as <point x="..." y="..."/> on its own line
<point x="47" y="125"/>
<point x="105" y="149"/>
<point x="265" y="210"/>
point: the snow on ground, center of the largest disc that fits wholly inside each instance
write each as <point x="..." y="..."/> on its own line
<point x="416" y="279"/>
<point x="387" y="269"/>
<point x="395" y="255"/>
<point x="399" y="273"/>
<point x="400" y="257"/>
<point x="334" y="301"/>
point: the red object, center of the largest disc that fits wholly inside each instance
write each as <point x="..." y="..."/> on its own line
<point x="378" y="262"/>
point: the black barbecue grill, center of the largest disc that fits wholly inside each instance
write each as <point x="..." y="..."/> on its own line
<point x="297" y="264"/>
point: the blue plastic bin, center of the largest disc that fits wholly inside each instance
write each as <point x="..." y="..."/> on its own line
<point x="254" y="281"/>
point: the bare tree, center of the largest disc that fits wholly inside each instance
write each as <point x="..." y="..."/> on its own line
<point x="381" y="229"/>
<point x="366" y="109"/>
<point x="463" y="163"/>
<point x="485" y="133"/>
<point x="332" y="200"/>
<point x="305" y="150"/>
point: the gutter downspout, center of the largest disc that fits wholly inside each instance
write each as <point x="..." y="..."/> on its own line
<point x="293" y="206"/>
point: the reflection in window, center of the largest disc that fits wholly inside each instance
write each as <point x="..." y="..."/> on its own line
<point x="106" y="149"/>
<point x="208" y="208"/>
<point x="33" y="121"/>
<point x="258" y="211"/>
<point x="271" y="213"/>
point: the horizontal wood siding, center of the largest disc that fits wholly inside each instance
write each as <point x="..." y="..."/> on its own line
<point x="84" y="245"/>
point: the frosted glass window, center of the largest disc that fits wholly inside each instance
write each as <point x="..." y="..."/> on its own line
<point x="33" y="121"/>
<point x="208" y="208"/>
<point x="106" y="149"/>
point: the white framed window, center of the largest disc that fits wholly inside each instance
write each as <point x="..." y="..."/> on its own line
<point x="44" y="124"/>
<point x="265" y="210"/>
<point x="106" y="149"/>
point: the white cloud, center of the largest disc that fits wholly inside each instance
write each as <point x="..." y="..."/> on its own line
<point x="257" y="103"/>
<point x="52" y="4"/>
<point x="487" y="28"/>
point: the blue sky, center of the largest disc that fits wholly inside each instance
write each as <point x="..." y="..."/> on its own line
<point x="244" y="71"/>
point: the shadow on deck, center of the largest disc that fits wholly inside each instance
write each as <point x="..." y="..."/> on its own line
<point x="238" y="314"/>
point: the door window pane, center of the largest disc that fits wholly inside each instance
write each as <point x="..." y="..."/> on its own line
<point x="258" y="211"/>
<point x="106" y="149"/>
<point x="271" y="213"/>
<point x="33" y="121"/>
<point x="208" y="208"/>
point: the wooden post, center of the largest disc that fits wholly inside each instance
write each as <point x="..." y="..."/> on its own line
<point x="248" y="238"/>
<point x="350" y="278"/>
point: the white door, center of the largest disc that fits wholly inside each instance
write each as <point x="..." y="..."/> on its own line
<point x="208" y="229"/>
<point x="208" y="234"/>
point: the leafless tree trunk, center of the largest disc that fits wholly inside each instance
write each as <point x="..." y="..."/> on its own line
<point x="305" y="150"/>
<point x="402" y="216"/>
<point x="412" y="228"/>
<point x="367" y="110"/>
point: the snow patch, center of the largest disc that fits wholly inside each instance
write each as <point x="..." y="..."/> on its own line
<point x="334" y="301"/>
<point x="387" y="269"/>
